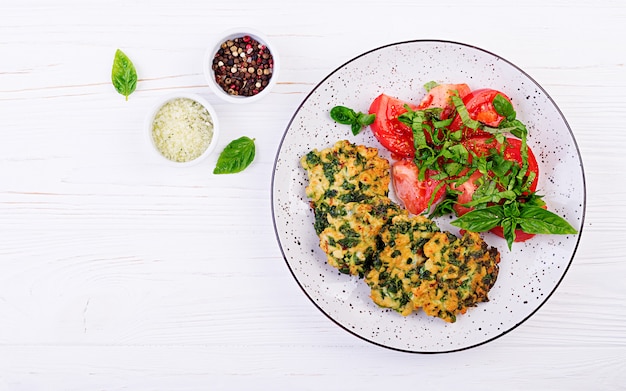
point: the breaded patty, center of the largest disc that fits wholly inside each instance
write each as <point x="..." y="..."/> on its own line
<point x="345" y="173"/>
<point x="395" y="272"/>
<point x="407" y="262"/>
<point x="458" y="274"/>
<point x="348" y="188"/>
<point x="350" y="240"/>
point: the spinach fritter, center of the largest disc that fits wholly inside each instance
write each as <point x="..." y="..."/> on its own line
<point x="345" y="173"/>
<point x="348" y="188"/>
<point x="395" y="271"/>
<point x="350" y="240"/>
<point x="406" y="260"/>
<point x="458" y="274"/>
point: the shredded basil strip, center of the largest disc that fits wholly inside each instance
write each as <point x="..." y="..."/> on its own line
<point x="430" y="85"/>
<point x="463" y="113"/>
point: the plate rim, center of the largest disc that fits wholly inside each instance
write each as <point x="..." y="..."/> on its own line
<point x="538" y="86"/>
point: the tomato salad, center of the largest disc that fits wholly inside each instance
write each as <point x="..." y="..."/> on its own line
<point x="463" y="152"/>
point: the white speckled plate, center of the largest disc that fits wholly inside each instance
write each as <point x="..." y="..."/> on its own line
<point x="529" y="273"/>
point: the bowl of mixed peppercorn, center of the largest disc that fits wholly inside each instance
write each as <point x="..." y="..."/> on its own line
<point x="242" y="66"/>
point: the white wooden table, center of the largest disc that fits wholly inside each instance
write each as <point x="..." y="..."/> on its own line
<point x="119" y="273"/>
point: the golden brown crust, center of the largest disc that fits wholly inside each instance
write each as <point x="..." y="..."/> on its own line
<point x="405" y="260"/>
<point x="350" y="240"/>
<point x="396" y="269"/>
<point x="345" y="173"/>
<point x="458" y="274"/>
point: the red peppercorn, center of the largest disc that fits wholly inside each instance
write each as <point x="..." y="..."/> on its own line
<point x="237" y="58"/>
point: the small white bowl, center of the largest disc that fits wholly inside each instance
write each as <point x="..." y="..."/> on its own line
<point x="150" y="119"/>
<point x="212" y="51"/>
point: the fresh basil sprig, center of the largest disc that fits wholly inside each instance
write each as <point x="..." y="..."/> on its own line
<point x="123" y="74"/>
<point x="347" y="116"/>
<point x="236" y="156"/>
<point x="531" y="219"/>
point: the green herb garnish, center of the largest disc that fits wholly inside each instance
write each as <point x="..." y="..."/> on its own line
<point x="430" y="85"/>
<point x="237" y="155"/>
<point x="502" y="197"/>
<point x="346" y="116"/>
<point x="515" y="215"/>
<point x="123" y="74"/>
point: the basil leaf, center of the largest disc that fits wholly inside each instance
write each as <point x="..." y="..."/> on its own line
<point x="536" y="220"/>
<point x="343" y="115"/>
<point x="503" y="107"/>
<point x="237" y="155"/>
<point x="123" y="74"/>
<point x="508" y="230"/>
<point x="501" y="166"/>
<point x="534" y="199"/>
<point x="365" y="119"/>
<point x="481" y="220"/>
<point x="346" y="116"/>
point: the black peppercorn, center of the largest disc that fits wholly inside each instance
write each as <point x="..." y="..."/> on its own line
<point x="248" y="66"/>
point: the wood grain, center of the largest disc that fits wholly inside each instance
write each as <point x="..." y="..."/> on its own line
<point x="118" y="273"/>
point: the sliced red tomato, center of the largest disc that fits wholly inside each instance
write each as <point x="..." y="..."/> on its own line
<point x="481" y="146"/>
<point x="479" y="104"/>
<point x="439" y="96"/>
<point x="398" y="137"/>
<point x="467" y="190"/>
<point x="390" y="132"/>
<point x="512" y="151"/>
<point x="520" y="236"/>
<point x="414" y="194"/>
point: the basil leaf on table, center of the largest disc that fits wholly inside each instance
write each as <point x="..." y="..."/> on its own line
<point x="236" y="156"/>
<point x="123" y="74"/>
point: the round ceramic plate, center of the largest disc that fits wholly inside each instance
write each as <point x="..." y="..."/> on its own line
<point x="529" y="273"/>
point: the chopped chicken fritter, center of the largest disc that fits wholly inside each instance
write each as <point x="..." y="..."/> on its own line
<point x="406" y="260"/>
<point x="395" y="272"/>
<point x="348" y="188"/>
<point x="350" y="240"/>
<point x="458" y="274"/>
<point x="345" y="173"/>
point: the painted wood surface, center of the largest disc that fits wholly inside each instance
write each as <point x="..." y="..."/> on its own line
<point x="120" y="273"/>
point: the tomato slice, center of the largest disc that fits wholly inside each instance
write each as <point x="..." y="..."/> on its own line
<point x="512" y="151"/>
<point x="439" y="96"/>
<point x="479" y="104"/>
<point x="467" y="190"/>
<point x="520" y="236"/>
<point x="413" y="193"/>
<point x="398" y="137"/>
<point x="390" y="132"/>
